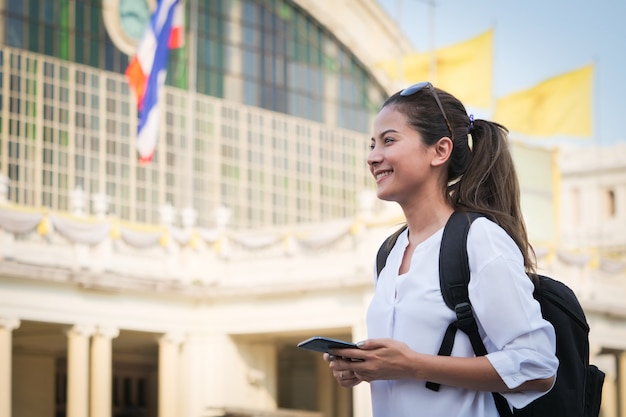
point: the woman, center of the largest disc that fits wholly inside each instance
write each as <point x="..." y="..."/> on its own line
<point x="432" y="159"/>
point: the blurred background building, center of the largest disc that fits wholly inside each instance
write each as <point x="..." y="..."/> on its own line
<point x="181" y="286"/>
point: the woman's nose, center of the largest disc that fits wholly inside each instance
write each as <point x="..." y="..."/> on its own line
<point x="374" y="156"/>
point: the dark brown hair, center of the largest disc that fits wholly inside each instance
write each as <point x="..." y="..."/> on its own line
<point x="481" y="178"/>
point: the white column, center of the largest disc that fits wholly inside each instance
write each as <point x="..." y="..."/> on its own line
<point x="169" y="378"/>
<point x="609" y="362"/>
<point x="217" y="385"/>
<point x="361" y="398"/>
<point x="78" y="370"/>
<point x="6" y="349"/>
<point x="327" y="388"/>
<point x="186" y="392"/>
<point x="102" y="371"/>
<point x="620" y="383"/>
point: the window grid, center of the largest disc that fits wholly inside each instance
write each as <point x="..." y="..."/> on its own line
<point x="268" y="168"/>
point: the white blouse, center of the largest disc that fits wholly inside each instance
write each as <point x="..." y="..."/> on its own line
<point x="410" y="308"/>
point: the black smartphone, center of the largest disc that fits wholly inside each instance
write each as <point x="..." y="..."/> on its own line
<point x="324" y="344"/>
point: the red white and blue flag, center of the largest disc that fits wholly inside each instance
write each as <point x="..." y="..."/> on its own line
<point x="148" y="68"/>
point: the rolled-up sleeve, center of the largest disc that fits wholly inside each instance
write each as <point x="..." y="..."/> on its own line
<point x="520" y="342"/>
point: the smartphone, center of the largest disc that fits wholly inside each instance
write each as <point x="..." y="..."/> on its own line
<point x="324" y="344"/>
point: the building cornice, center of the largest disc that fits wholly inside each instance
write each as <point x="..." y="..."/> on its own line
<point x="197" y="291"/>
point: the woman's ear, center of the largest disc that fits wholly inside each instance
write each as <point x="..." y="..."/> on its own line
<point x="442" y="151"/>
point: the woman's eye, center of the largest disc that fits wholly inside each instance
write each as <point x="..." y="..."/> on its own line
<point x="384" y="140"/>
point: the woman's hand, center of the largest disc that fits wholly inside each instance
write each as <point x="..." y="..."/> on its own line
<point x="375" y="359"/>
<point x="345" y="377"/>
<point x="378" y="359"/>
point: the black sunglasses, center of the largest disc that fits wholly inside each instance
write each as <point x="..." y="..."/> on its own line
<point x="410" y="90"/>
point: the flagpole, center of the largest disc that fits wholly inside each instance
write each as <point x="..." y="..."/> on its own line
<point x="433" y="55"/>
<point x="492" y="99"/>
<point x="596" y="131"/>
<point x="432" y="66"/>
<point x="191" y="95"/>
<point x="400" y="68"/>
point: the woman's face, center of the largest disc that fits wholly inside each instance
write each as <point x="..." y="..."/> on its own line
<point x="399" y="160"/>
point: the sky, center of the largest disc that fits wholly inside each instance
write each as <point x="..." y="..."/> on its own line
<point x="535" y="40"/>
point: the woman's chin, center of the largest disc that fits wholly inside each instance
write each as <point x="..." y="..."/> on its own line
<point x="382" y="195"/>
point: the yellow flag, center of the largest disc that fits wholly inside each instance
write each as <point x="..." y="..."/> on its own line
<point x="464" y="70"/>
<point x="410" y="68"/>
<point x="558" y="106"/>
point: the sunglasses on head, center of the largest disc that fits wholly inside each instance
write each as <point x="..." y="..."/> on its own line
<point x="410" y="90"/>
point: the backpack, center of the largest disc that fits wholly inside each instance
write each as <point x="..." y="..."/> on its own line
<point x="577" y="391"/>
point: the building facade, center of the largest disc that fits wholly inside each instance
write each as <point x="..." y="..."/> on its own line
<point x="263" y="127"/>
<point x="264" y="104"/>
<point x="180" y="288"/>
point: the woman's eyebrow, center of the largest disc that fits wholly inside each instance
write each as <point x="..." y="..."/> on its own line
<point x="384" y="132"/>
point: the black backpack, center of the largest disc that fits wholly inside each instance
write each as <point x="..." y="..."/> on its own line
<point x="578" y="388"/>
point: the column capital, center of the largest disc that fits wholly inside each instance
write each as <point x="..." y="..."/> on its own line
<point x="9" y="323"/>
<point x="107" y="332"/>
<point x="175" y="338"/>
<point x="85" y="330"/>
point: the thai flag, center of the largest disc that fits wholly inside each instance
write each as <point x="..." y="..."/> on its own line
<point x="147" y="70"/>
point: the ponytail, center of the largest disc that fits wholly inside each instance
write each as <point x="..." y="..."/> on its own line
<point x="489" y="184"/>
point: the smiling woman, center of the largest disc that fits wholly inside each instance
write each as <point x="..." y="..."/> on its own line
<point x="422" y="159"/>
<point x="126" y="21"/>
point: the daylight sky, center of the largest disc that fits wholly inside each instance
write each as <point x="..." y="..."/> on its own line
<point x="535" y="40"/>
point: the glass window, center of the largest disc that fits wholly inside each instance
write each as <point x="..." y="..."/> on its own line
<point x="249" y="13"/>
<point x="79" y="20"/>
<point x="79" y="48"/>
<point x="49" y="10"/>
<point x="15" y="6"/>
<point x="94" y="18"/>
<point x="250" y="36"/>
<point x="64" y="73"/>
<point x="109" y="56"/>
<point x="49" y="40"/>
<point x="33" y="36"/>
<point x="250" y="63"/>
<point x="14" y="35"/>
<point x="94" y="52"/>
<point x="34" y="9"/>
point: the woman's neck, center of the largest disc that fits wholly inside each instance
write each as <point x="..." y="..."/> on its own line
<point x="425" y="219"/>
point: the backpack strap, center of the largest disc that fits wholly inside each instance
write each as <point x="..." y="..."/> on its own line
<point x="385" y="248"/>
<point x="454" y="277"/>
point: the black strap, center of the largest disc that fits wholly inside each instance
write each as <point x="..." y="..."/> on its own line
<point x="454" y="277"/>
<point x="385" y="248"/>
<point x="454" y="274"/>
